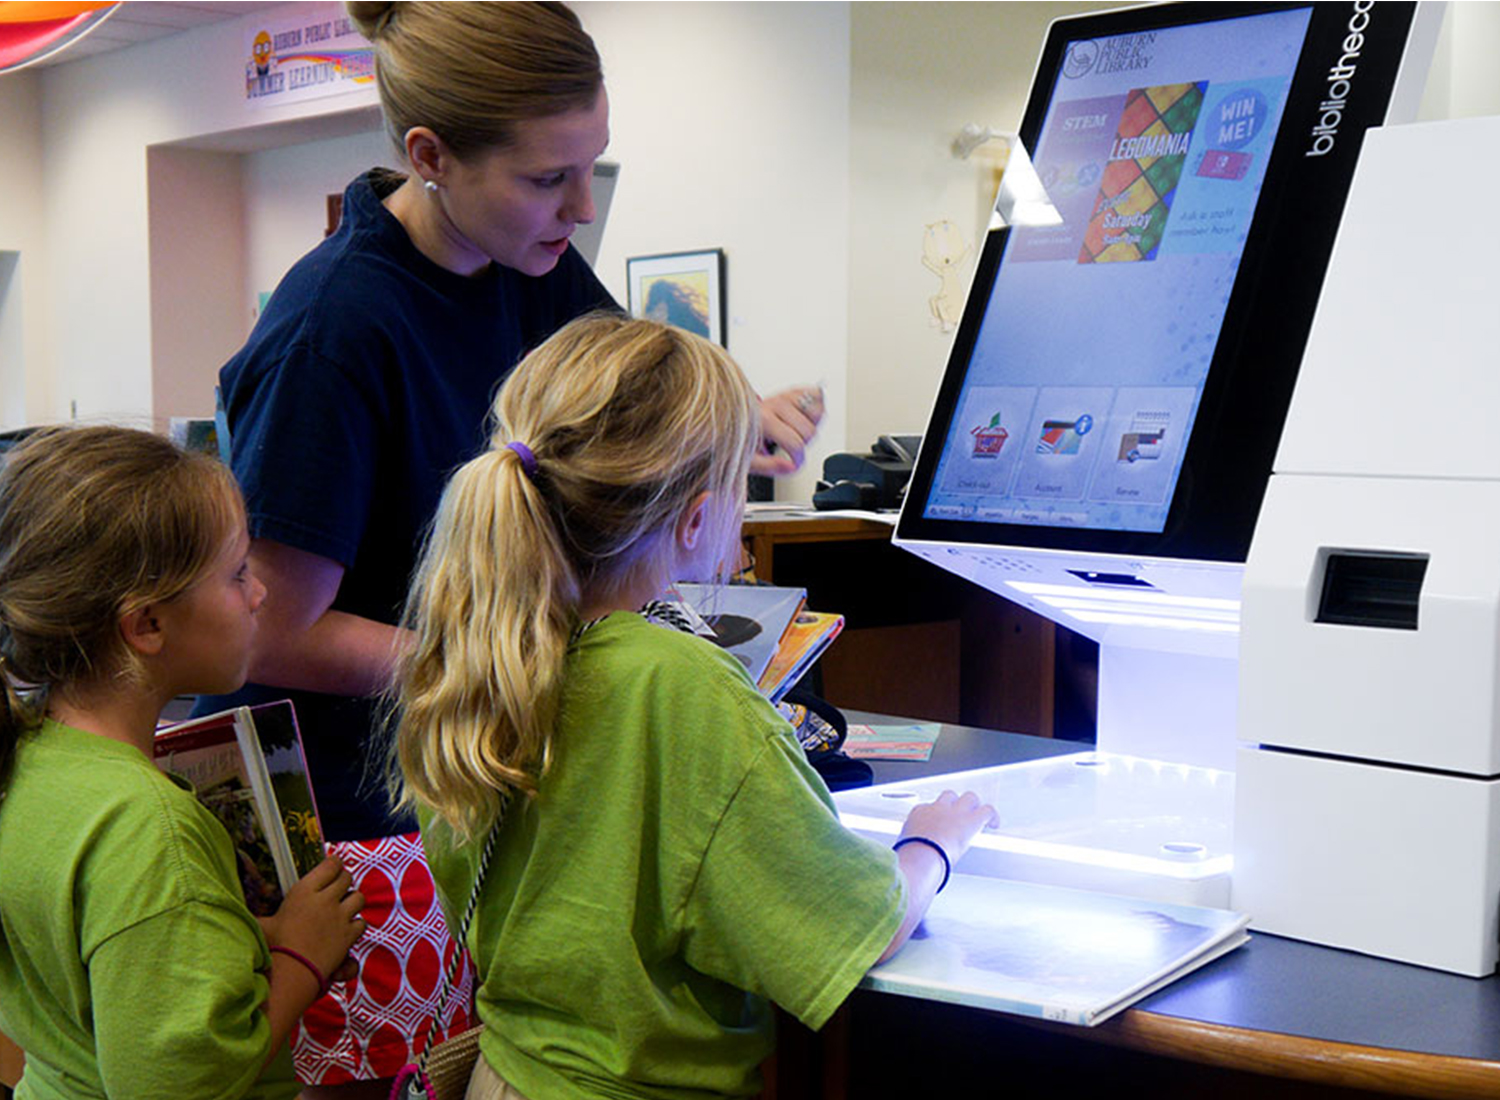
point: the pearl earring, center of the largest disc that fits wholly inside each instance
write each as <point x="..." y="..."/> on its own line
<point x="431" y="186"/>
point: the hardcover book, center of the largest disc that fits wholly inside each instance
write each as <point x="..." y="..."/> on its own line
<point x="804" y="641"/>
<point x="247" y="767"/>
<point x="746" y="619"/>
<point x="1073" y="956"/>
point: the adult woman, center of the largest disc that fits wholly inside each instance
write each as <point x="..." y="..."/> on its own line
<point x="367" y="381"/>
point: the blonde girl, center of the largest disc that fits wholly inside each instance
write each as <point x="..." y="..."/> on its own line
<point x="666" y="864"/>
<point x="129" y="964"/>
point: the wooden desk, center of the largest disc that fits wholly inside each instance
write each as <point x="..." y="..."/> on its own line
<point x="12" y="1062"/>
<point x="917" y="640"/>
<point x="764" y="531"/>
<point x="1276" y="1017"/>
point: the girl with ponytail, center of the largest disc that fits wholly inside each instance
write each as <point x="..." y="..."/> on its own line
<point x="364" y="384"/>
<point x="663" y="859"/>
<point x="129" y="964"/>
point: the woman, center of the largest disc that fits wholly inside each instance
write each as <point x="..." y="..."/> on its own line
<point x="365" y="383"/>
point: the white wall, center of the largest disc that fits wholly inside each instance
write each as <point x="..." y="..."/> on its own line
<point x="99" y="116"/>
<point x="920" y="71"/>
<point x="730" y="122"/>
<point x="1474" y="85"/>
<point x="195" y="230"/>
<point x="23" y="369"/>
<point x="810" y="141"/>
<point x="285" y="193"/>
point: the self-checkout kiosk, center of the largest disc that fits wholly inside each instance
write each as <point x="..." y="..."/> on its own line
<point x="1312" y="737"/>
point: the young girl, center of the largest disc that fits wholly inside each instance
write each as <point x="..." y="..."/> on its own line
<point x="666" y="862"/>
<point x="129" y="964"/>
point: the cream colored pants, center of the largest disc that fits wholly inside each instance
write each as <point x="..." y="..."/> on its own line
<point x="486" y="1084"/>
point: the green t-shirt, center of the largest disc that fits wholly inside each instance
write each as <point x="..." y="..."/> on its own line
<point x="129" y="965"/>
<point x="680" y="866"/>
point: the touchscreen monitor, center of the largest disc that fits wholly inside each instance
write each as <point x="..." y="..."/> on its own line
<point x="1119" y="381"/>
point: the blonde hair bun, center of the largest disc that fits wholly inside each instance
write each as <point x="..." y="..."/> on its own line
<point x="370" y="16"/>
<point x="471" y="72"/>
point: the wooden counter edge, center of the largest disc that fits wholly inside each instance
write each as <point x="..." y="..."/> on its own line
<point x="12" y="1062"/>
<point x="1273" y="1054"/>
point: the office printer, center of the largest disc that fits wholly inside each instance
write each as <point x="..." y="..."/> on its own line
<point x="871" y="481"/>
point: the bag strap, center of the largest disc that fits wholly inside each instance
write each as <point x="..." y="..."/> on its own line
<point x="461" y="939"/>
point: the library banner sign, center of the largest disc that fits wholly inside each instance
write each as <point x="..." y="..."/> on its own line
<point x="306" y="52"/>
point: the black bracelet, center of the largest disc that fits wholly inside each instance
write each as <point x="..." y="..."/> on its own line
<point x="936" y="847"/>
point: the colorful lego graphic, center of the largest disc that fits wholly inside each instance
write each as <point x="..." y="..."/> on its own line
<point x="1140" y="179"/>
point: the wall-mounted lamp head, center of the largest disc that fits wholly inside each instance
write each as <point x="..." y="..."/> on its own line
<point x="1021" y="198"/>
<point x="973" y="135"/>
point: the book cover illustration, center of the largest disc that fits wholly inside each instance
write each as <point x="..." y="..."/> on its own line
<point x="746" y="619"/>
<point x="1074" y="956"/>
<point x="1070" y="162"/>
<point x="1235" y="122"/>
<point x="806" y="637"/>
<point x="1140" y="178"/>
<point x="240" y="773"/>
<point x="281" y="747"/>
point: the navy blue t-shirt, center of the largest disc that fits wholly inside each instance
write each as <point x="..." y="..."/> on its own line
<point x="368" y="380"/>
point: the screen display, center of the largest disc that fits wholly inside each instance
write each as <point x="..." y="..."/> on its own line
<point x="1089" y="365"/>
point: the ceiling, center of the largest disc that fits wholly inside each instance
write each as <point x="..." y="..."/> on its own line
<point x="142" y="20"/>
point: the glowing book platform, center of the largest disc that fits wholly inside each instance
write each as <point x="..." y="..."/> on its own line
<point x="1093" y="821"/>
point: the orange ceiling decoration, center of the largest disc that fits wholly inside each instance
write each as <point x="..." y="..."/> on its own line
<point x="30" y="31"/>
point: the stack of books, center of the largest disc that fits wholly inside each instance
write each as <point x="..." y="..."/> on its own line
<point x="769" y="629"/>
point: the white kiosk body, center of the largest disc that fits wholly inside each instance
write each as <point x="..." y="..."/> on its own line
<point x="1368" y="811"/>
<point x="1161" y="591"/>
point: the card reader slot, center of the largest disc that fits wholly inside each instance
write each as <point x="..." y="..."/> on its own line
<point x="1371" y="588"/>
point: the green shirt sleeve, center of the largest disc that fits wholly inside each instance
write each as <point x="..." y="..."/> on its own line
<point x="788" y="903"/>
<point x="182" y="990"/>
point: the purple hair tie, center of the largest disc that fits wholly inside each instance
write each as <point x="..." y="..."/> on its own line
<point x="528" y="460"/>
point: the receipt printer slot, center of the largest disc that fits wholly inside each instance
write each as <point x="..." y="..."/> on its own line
<point x="1371" y="588"/>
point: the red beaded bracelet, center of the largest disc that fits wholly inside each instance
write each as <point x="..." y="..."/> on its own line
<point x="323" y="982"/>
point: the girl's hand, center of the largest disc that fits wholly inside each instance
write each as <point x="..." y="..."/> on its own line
<point x="952" y="821"/>
<point x="319" y="917"/>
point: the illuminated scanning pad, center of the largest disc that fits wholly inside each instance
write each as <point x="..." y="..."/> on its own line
<point x="1140" y="178"/>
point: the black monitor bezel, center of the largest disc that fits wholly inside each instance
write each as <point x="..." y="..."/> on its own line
<point x="1254" y="366"/>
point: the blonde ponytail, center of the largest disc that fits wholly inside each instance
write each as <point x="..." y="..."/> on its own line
<point x="626" y="422"/>
<point x="497" y="603"/>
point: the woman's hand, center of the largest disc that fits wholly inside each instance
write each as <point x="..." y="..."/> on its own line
<point x="788" y="422"/>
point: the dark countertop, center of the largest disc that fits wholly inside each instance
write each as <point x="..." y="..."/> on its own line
<point x="1273" y="984"/>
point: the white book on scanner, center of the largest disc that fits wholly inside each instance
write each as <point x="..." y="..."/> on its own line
<point x="1073" y="956"/>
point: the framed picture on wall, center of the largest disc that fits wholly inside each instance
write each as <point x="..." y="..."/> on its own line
<point x="685" y="289"/>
